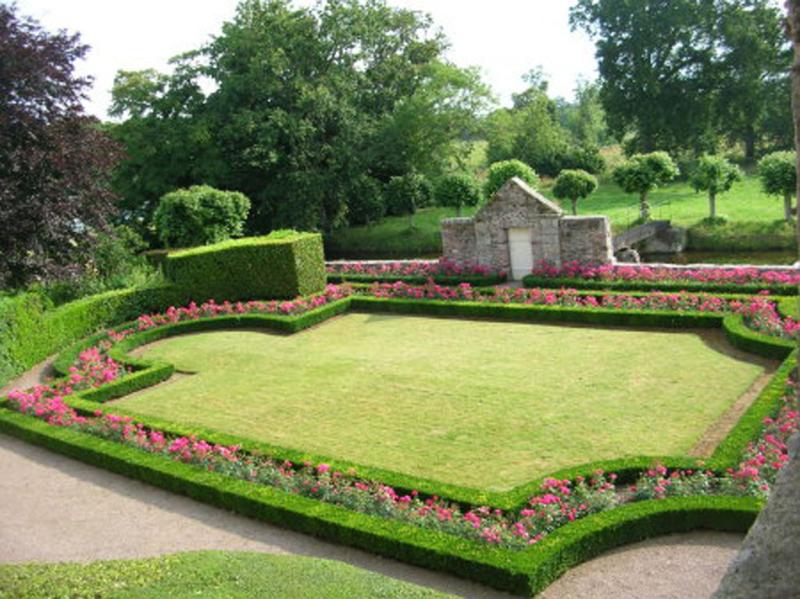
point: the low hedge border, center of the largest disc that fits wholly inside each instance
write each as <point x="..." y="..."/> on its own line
<point x="692" y="286"/>
<point x="474" y="280"/>
<point x="627" y="468"/>
<point x="524" y="572"/>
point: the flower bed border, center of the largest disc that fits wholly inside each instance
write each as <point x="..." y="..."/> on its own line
<point x="533" y="281"/>
<point x="474" y="280"/>
<point x="525" y="571"/>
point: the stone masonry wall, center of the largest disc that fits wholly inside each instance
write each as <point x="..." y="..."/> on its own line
<point x="458" y="239"/>
<point x="586" y="239"/>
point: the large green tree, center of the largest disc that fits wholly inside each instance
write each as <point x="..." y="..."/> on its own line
<point x="681" y="74"/>
<point x="311" y="107"/>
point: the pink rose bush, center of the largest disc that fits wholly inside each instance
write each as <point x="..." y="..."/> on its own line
<point x="620" y="272"/>
<point x="441" y="267"/>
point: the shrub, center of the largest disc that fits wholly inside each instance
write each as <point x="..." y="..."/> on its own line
<point x="715" y="175"/>
<point x="778" y="173"/>
<point x="642" y="174"/>
<point x="500" y="172"/>
<point x="366" y="204"/>
<point x="200" y="215"/>
<point x="574" y="185"/>
<point x="457" y="190"/>
<point x="586" y="158"/>
<point x="280" y="265"/>
<point x="406" y="193"/>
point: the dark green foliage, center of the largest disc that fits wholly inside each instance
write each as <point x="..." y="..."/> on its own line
<point x="500" y="172"/>
<point x="366" y="204"/>
<point x="406" y="193"/>
<point x="457" y="190"/>
<point x="200" y="215"/>
<point x="642" y="174"/>
<point x="741" y="236"/>
<point x="275" y="266"/>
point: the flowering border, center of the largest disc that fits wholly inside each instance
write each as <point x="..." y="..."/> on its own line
<point x="528" y="573"/>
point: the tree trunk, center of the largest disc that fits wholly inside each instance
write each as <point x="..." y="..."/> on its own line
<point x="712" y="205"/>
<point x="644" y="207"/>
<point x="458" y="210"/>
<point x="575" y="206"/>
<point x="793" y="7"/>
<point x="787" y="207"/>
<point x="410" y="220"/>
<point x="750" y="145"/>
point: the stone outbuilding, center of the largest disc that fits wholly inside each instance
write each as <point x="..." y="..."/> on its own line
<point x="519" y="227"/>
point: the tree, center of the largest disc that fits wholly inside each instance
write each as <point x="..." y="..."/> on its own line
<point x="753" y="66"/>
<point x="310" y="107"/>
<point x="793" y="28"/>
<point x="642" y="174"/>
<point x="406" y="193"/>
<point x="500" y="172"/>
<point x="574" y="185"/>
<point x="778" y="173"/>
<point x="655" y="60"/>
<point x="54" y="160"/>
<point x="457" y="190"/>
<point x="200" y="215"/>
<point x="715" y="175"/>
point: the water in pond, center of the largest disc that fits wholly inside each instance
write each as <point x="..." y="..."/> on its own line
<point x="766" y="257"/>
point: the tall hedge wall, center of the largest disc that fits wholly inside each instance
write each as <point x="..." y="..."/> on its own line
<point x="276" y="266"/>
<point x="30" y="330"/>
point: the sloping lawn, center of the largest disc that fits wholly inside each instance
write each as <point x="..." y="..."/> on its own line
<point x="488" y="405"/>
<point x="745" y="203"/>
<point x="204" y="574"/>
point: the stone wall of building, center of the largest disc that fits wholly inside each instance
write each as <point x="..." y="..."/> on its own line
<point x="586" y="239"/>
<point x="483" y="239"/>
<point x="458" y="240"/>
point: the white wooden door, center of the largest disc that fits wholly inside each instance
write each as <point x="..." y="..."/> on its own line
<point x="520" y="251"/>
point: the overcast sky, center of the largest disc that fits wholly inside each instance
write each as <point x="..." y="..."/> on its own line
<point x="505" y="38"/>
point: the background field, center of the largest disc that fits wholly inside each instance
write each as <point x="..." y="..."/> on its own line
<point x="483" y="404"/>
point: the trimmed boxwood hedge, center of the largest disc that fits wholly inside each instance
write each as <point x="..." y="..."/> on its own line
<point x="275" y="266"/>
<point x="532" y="281"/>
<point x="527" y="571"/>
<point x="474" y="280"/>
<point x="627" y="468"/>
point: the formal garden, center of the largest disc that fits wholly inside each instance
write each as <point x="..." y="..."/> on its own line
<point x="316" y="277"/>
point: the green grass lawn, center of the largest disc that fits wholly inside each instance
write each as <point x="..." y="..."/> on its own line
<point x="204" y="574"/>
<point x="487" y="405"/>
<point x="746" y="202"/>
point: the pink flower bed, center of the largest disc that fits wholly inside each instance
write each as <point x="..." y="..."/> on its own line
<point x="617" y="272"/>
<point x="759" y="312"/>
<point x="412" y="269"/>
<point x="557" y="503"/>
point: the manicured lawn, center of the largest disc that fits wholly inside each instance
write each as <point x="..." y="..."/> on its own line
<point x="204" y="574"/>
<point x="483" y="404"/>
<point x="746" y="202"/>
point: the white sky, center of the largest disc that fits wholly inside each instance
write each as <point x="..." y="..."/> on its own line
<point x="505" y="38"/>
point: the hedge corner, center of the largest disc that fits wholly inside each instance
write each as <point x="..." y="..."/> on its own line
<point x="272" y="267"/>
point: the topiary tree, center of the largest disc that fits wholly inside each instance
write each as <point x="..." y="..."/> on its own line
<point x="406" y="193"/>
<point x="500" y="172"/>
<point x="200" y="215"/>
<point x="457" y="189"/>
<point x="574" y="185"/>
<point x="778" y="173"/>
<point x="642" y="174"/>
<point x="715" y="175"/>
